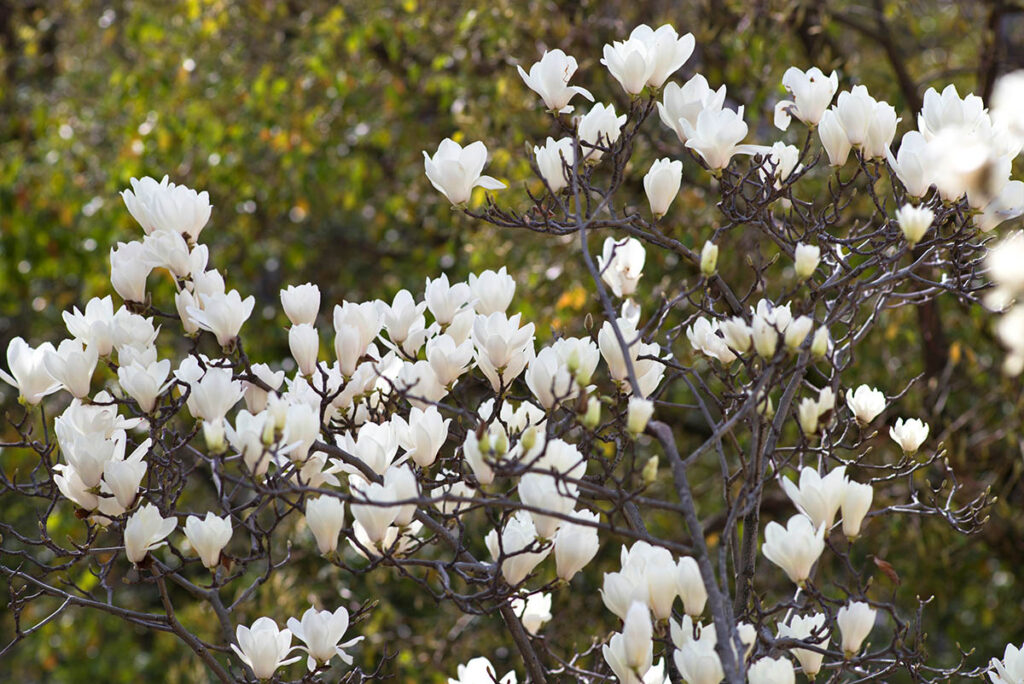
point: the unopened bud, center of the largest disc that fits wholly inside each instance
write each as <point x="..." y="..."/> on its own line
<point x="709" y="259"/>
<point x="639" y="412"/>
<point x="592" y="417"/>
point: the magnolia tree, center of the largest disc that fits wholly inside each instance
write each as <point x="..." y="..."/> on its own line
<point x="434" y="427"/>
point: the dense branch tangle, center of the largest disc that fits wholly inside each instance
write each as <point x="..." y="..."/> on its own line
<point x="436" y="436"/>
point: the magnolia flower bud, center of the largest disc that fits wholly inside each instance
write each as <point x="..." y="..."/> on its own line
<point x="855" y="621"/>
<point x="794" y="548"/>
<point x="637" y="632"/>
<point x="129" y="269"/>
<point x="766" y="337"/>
<point x="639" y="412"/>
<point x="325" y="516"/>
<point x="690" y="585"/>
<point x="208" y="536"/>
<point x="797" y="331"/>
<point x="662" y="184"/>
<point x="455" y="170"/>
<point x="301" y="303"/>
<point x="856" y="504"/>
<point x="833" y="138"/>
<point x="805" y="260"/>
<point x="650" y="472"/>
<point x="909" y="434"/>
<point x="145" y="530"/>
<point x="575" y="545"/>
<point x="592" y="418"/>
<point x="263" y="647"/>
<point x="820" y="343"/>
<point x="304" y="344"/>
<point x="708" y="259"/>
<point x="914" y="222"/>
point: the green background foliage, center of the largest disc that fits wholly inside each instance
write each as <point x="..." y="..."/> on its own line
<point x="305" y="121"/>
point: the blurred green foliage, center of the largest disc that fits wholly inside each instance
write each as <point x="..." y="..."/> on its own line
<point x="305" y="122"/>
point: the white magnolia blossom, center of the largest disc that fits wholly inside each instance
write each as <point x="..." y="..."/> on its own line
<point x="819" y="498"/>
<point x="146" y="530"/>
<point x="555" y="161"/>
<point x="517" y="546"/>
<point x="492" y="291"/>
<point x="909" y="434"/>
<point x="27" y="370"/>
<point x="866" y="403"/>
<point x="794" y="548"/>
<point x="550" y="77"/>
<point x="662" y="184"/>
<point x="454" y="170"/>
<point x="631" y="653"/>
<point x="166" y="206"/>
<point x="208" y="536"/>
<point x="576" y="544"/>
<point x="716" y="136"/>
<point x="600" y="128"/>
<point x="648" y="57"/>
<point x="534" y="611"/>
<point x="855" y="621"/>
<point x="325" y="516"/>
<point x="914" y="222"/>
<point x="301" y="303"/>
<point x="856" y="504"/>
<point x="812" y="93"/>
<point x="322" y="631"/>
<point x="480" y="671"/>
<point x="811" y="629"/>
<point x="686" y="102"/>
<point x="771" y="671"/>
<point x="805" y="260"/>
<point x="264" y="647"/>
<point x="223" y="315"/>
<point x="621" y="264"/>
<point x="1009" y="670"/>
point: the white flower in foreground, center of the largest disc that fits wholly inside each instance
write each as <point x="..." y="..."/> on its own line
<point x="223" y="315"/>
<point x="600" y="127"/>
<point x="480" y="671"/>
<point x="146" y="530"/>
<point x="1007" y="105"/>
<point x="322" y="631"/>
<point x="208" y="536"/>
<point x="492" y="291"/>
<point x="549" y="78"/>
<point x="1009" y="670"/>
<point x="665" y="48"/>
<point x="638" y="414"/>
<point x="913" y="164"/>
<point x="631" y="653"/>
<point x="301" y="303"/>
<point x="72" y="365"/>
<point x="914" y="222"/>
<point x="93" y="326"/>
<point x="166" y="206"/>
<point x="687" y="102"/>
<point x="856" y="504"/>
<point x="812" y="93"/>
<point x="629" y="62"/>
<point x="304" y="345"/>
<point x="264" y="647"/>
<point x="129" y="269"/>
<point x="716" y="136"/>
<point x="909" y="434"/>
<point x="575" y="545"/>
<point x="690" y="585"/>
<point x="534" y="611"/>
<point x="833" y="138"/>
<point x="28" y="372"/>
<point x="819" y="498"/>
<point x="803" y="628"/>
<point x="445" y="300"/>
<point x="621" y="264"/>
<point x="124" y="475"/>
<point x="771" y="671"/>
<point x="805" y="260"/>
<point x="555" y="161"/>
<point x="866" y="403"/>
<point x="855" y="622"/>
<point x="510" y="546"/>
<point x="146" y="383"/>
<point x="455" y="170"/>
<point x="662" y="184"/>
<point x="325" y="516"/>
<point x="794" y="548"/>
